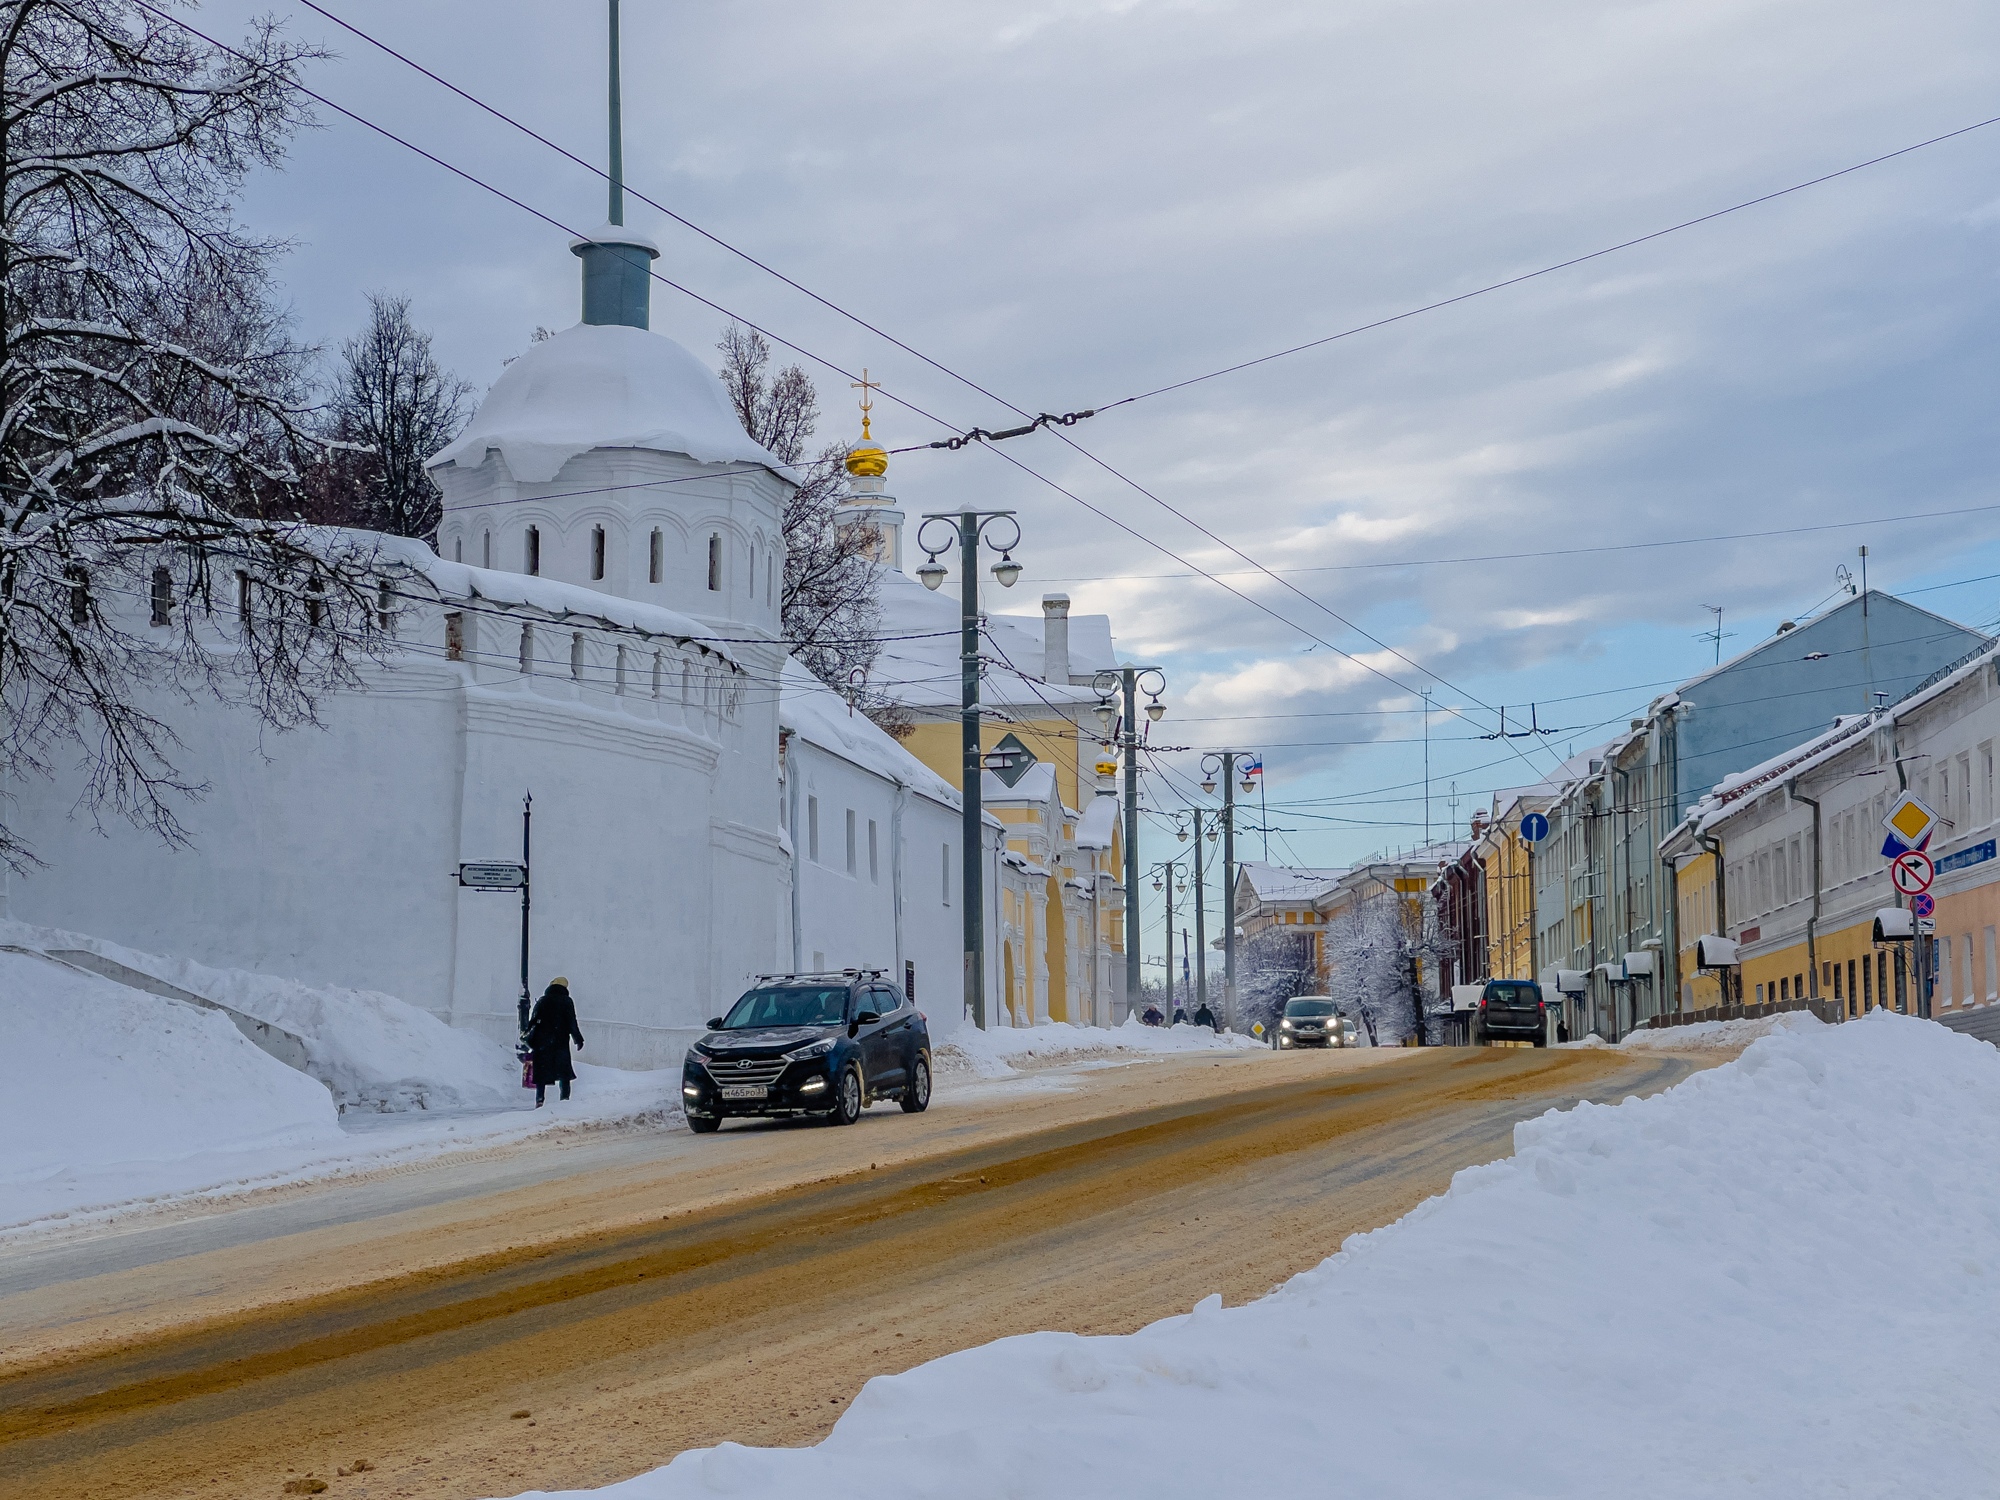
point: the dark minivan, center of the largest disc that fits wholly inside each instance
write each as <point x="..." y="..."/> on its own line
<point x="1512" y="1010"/>
<point x="809" y="1044"/>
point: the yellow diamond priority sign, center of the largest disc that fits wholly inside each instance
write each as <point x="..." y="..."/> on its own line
<point x="1909" y="820"/>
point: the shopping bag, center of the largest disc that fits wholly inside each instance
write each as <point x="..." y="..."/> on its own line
<point x="528" y="1071"/>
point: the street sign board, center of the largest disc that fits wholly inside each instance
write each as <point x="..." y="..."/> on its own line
<point x="1926" y="926"/>
<point x="1909" y="820"/>
<point x="1977" y="854"/>
<point x="1924" y="904"/>
<point x="1534" y="828"/>
<point x="1010" y="760"/>
<point x="1912" y="872"/>
<point x="489" y="875"/>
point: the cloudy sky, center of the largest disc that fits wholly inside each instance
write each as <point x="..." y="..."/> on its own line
<point x="1074" y="203"/>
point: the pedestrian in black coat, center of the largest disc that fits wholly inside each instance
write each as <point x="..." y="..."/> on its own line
<point x="550" y="1030"/>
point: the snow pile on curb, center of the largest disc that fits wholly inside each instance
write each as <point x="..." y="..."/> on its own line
<point x="1004" y="1052"/>
<point x="1780" y="1278"/>
<point x="106" y="1081"/>
<point x="1718" y="1036"/>
<point x="373" y="1051"/>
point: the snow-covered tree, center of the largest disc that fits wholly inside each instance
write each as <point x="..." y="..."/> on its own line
<point x="1271" y="967"/>
<point x="1379" y="954"/>
<point x="831" y="610"/>
<point x="153" y="410"/>
<point x="392" y="407"/>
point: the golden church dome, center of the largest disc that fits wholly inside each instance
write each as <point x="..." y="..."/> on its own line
<point x="867" y="460"/>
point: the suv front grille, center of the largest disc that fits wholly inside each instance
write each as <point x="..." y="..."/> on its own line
<point x="757" y="1070"/>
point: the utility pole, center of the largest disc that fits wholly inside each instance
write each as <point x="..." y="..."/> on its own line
<point x="1130" y="681"/>
<point x="1200" y="915"/>
<point x="966" y="528"/>
<point x="1225" y="762"/>
<point x="527" y="867"/>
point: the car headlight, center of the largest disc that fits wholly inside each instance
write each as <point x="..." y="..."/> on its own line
<point x="811" y="1049"/>
<point x="1286" y="1024"/>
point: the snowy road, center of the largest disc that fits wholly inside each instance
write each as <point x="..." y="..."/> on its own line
<point x="633" y="1325"/>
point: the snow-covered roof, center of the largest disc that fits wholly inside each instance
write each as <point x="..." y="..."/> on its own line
<point x="1284" y="883"/>
<point x="821" y="717"/>
<point x="1099" y="821"/>
<point x="1738" y="788"/>
<point x="1037" y="785"/>
<point x="919" y="665"/>
<point x="544" y="595"/>
<point x="602" y="386"/>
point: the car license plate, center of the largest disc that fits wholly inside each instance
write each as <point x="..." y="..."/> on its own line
<point x="744" y="1091"/>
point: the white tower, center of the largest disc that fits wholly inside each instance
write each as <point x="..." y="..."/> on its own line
<point x="868" y="502"/>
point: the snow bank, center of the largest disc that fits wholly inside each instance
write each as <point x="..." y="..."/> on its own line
<point x="373" y="1051"/>
<point x="1780" y="1278"/>
<point x="1004" y="1051"/>
<point x="107" y="1082"/>
<point x="1718" y="1036"/>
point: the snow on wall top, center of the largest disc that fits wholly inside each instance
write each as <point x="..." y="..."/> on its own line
<point x="545" y="595"/>
<point x="1095" y="828"/>
<point x="820" y="716"/>
<point x="602" y="386"/>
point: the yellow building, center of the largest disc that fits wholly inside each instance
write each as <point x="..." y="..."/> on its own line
<point x="1062" y="942"/>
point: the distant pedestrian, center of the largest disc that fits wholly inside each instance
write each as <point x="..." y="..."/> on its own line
<point x="1152" y="1017"/>
<point x="550" y="1030"/>
<point x="1203" y="1016"/>
<point x="1180" y="1015"/>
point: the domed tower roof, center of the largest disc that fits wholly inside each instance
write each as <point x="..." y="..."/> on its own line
<point x="603" y="386"/>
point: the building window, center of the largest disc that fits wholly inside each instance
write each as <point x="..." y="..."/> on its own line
<point x="486" y="550"/>
<point x="874" y="854"/>
<point x="315" y="603"/>
<point x="576" y="656"/>
<point x="715" y="564"/>
<point x="751" y="580"/>
<point x="771" y="590"/>
<point x="659" y="671"/>
<point x="597" y="552"/>
<point x="850" y="841"/>
<point x="163" y="596"/>
<point x="527" y="648"/>
<point x="532" y="555"/>
<point x="947" y="874"/>
<point x="458" y="549"/>
<point x="243" y="597"/>
<point x="385" y="608"/>
<point x="454" y="636"/>
<point x="656" y="556"/>
<point x="618" y="685"/>
<point x="812" y="829"/>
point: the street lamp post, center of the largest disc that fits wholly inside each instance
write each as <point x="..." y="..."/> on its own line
<point x="1201" y="911"/>
<point x="1131" y="681"/>
<point x="1224" y="761"/>
<point x="967" y="527"/>
<point x="1164" y="876"/>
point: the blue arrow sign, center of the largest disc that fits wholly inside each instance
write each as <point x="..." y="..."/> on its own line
<point x="1534" y="828"/>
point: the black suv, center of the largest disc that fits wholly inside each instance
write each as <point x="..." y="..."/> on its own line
<point x="1513" y="1010"/>
<point x="809" y="1044"/>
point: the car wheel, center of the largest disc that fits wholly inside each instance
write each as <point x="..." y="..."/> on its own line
<point x="846" y="1099"/>
<point x="701" y="1125"/>
<point x="917" y="1095"/>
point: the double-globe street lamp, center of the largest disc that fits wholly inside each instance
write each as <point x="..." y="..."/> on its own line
<point x="1223" y="763"/>
<point x="1170" y="876"/>
<point x="1130" y="680"/>
<point x="967" y="528"/>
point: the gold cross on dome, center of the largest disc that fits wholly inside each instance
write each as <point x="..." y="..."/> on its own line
<point x="865" y="386"/>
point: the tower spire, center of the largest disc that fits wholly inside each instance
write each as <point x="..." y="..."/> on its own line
<point x="617" y="264"/>
<point x="617" y="215"/>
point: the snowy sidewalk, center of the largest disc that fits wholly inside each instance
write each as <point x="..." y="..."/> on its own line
<point x="1780" y="1278"/>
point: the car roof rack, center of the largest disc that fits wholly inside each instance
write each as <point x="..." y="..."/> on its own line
<point x="805" y="974"/>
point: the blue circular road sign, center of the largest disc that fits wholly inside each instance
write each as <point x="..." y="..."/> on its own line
<point x="1534" y="828"/>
